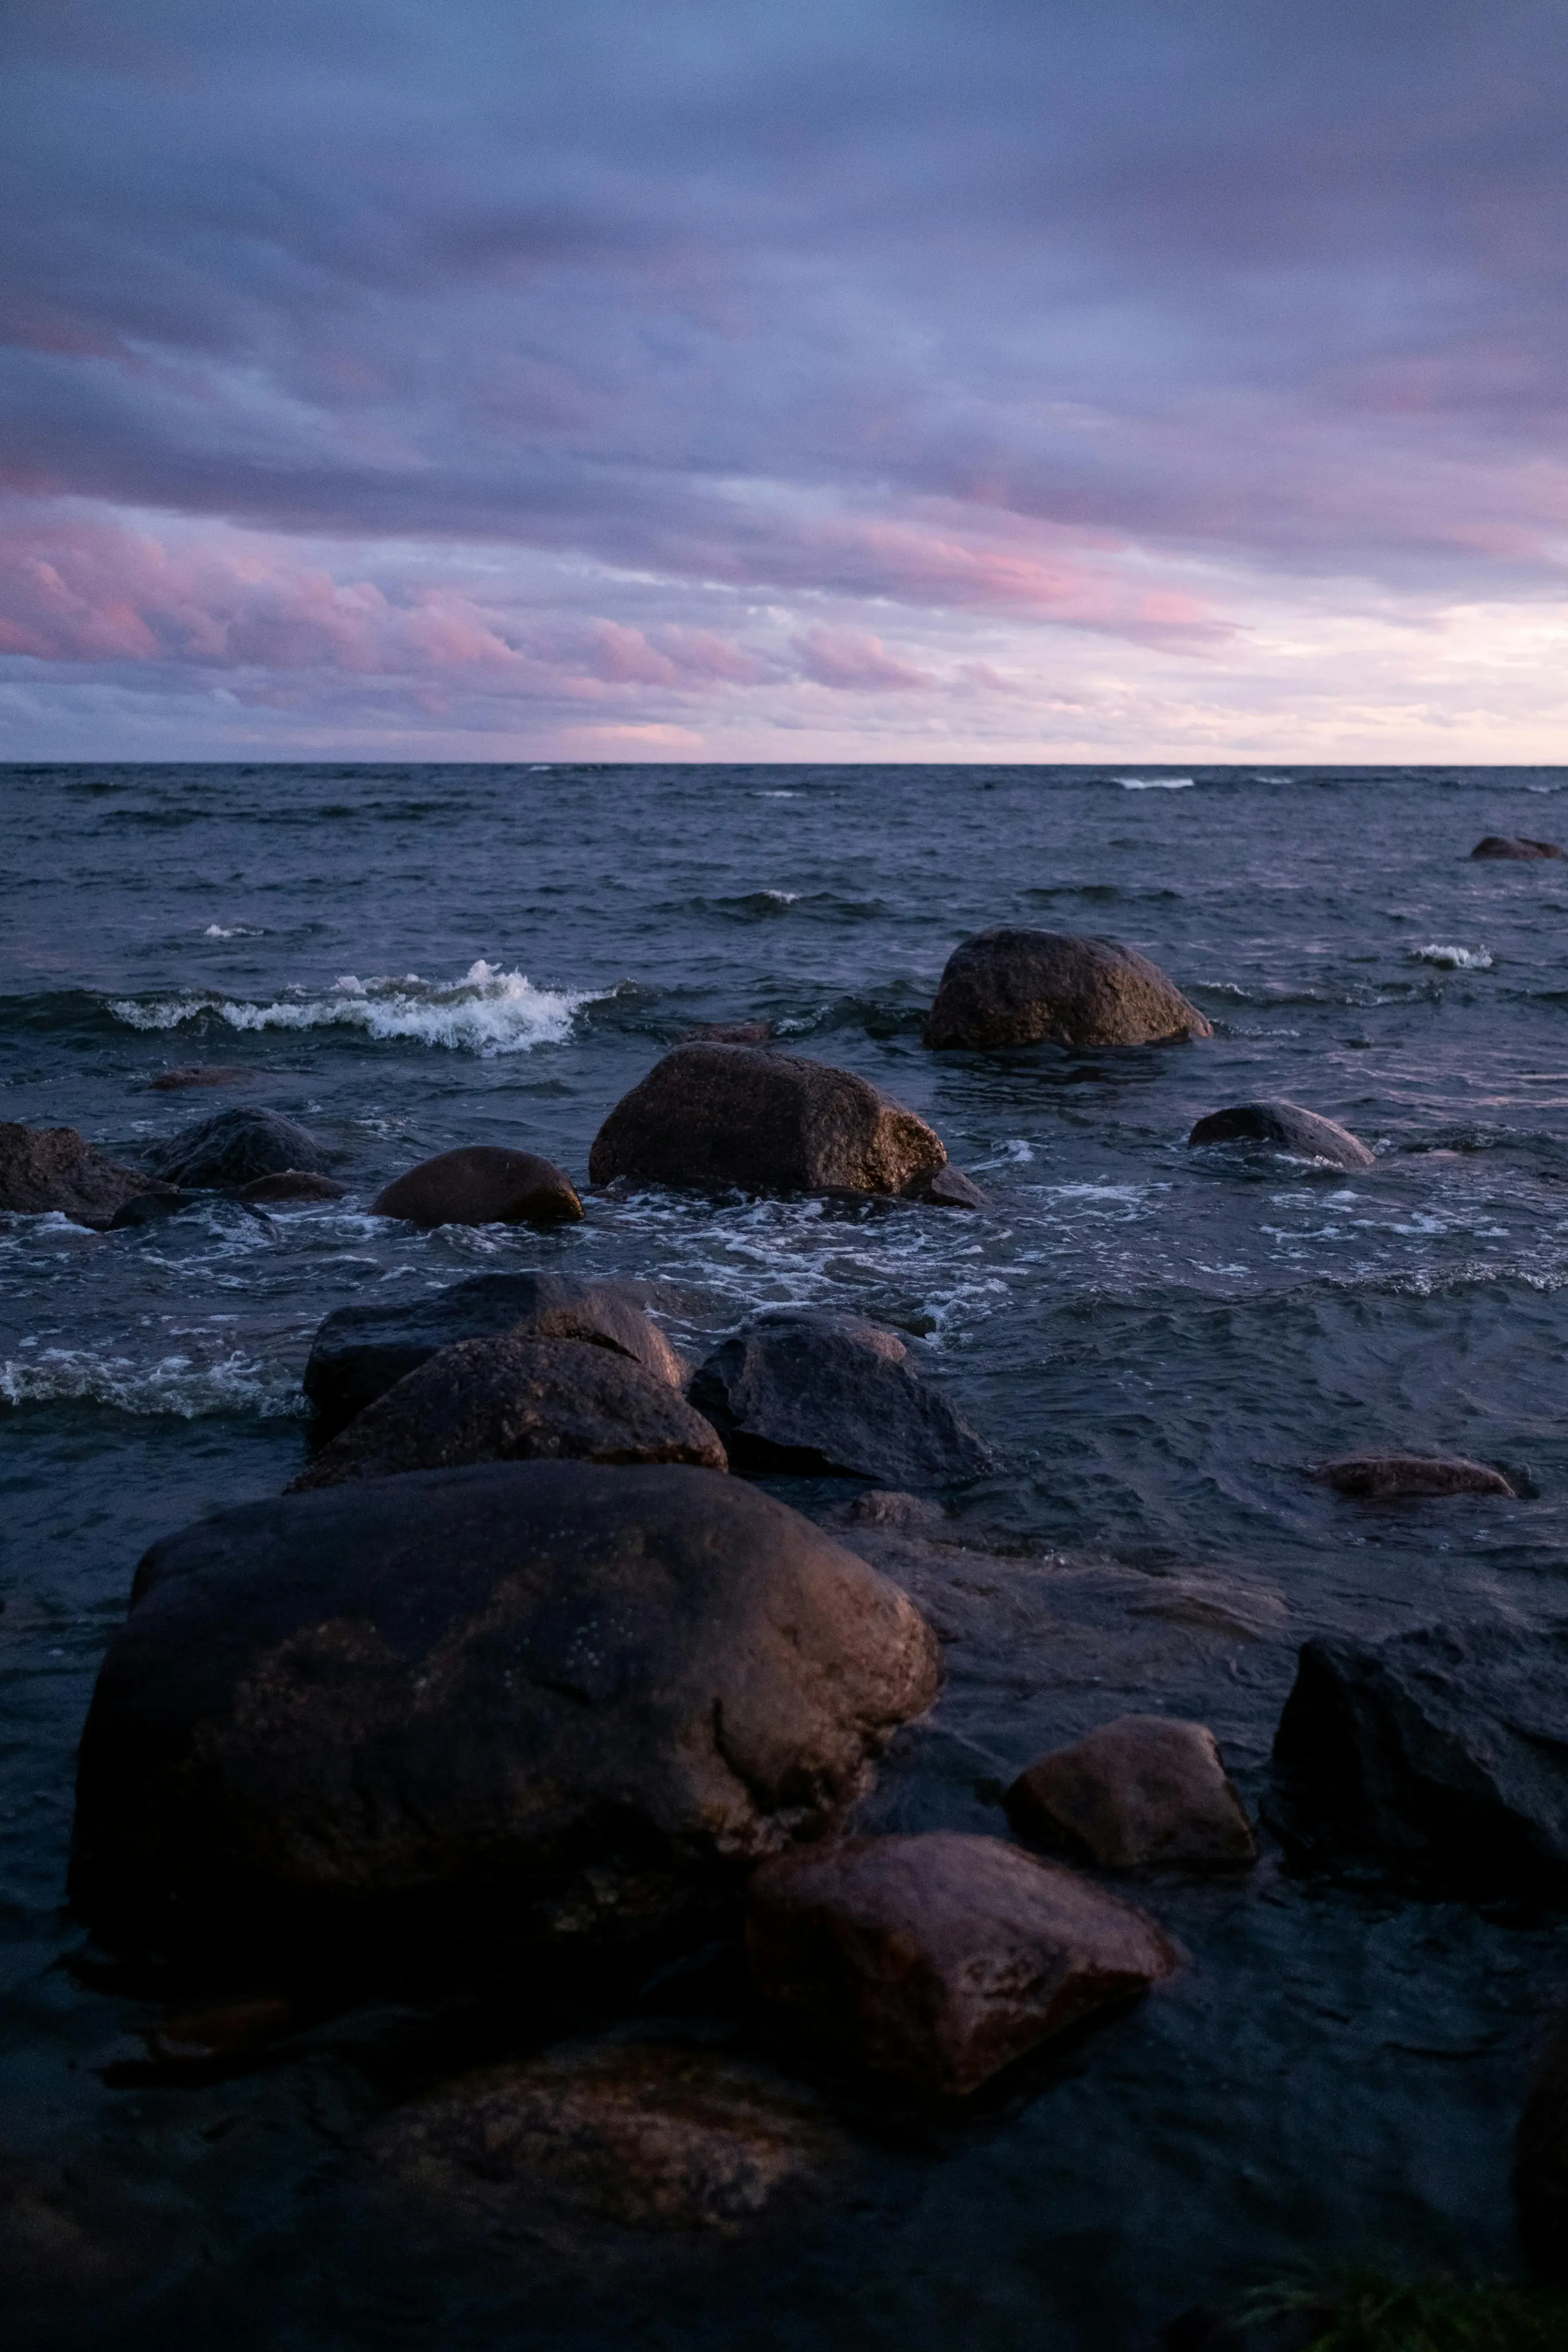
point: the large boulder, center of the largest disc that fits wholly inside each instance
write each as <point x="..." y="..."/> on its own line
<point x="714" y="1116"/>
<point x="1515" y="846"/>
<point x="813" y="1393"/>
<point x="546" y="1698"/>
<point x="1445" y="1748"/>
<point x="1540" y="2160"/>
<point x="513" y="1399"/>
<point x="53" y="1170"/>
<point x="1033" y="988"/>
<point x="233" y="1147"/>
<point x="483" y="1184"/>
<point x="1146" y="1790"/>
<point x="1405" y="1477"/>
<point x="359" y="1352"/>
<point x="1284" y="1126"/>
<point x="942" y="1957"/>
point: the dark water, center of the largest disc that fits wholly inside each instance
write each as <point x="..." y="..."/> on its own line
<point x="408" y="959"/>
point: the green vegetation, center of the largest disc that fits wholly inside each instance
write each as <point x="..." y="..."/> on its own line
<point x="1364" y="2310"/>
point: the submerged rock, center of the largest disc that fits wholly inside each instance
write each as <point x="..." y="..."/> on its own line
<point x="1030" y="988"/>
<point x="481" y="1185"/>
<point x="814" y="1392"/>
<point x="54" y="1170"/>
<point x="233" y="1147"/>
<point x="544" y="1698"/>
<point x="714" y="1116"/>
<point x="942" y="1957"/>
<point x="1516" y="845"/>
<point x="201" y="1074"/>
<point x="359" y="1352"/>
<point x="1144" y="1789"/>
<point x="1284" y="1126"/>
<point x="1401" y="1477"/>
<point x="291" y="1184"/>
<point x="517" y="1400"/>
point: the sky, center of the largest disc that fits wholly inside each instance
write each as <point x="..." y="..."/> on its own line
<point x="1155" y="380"/>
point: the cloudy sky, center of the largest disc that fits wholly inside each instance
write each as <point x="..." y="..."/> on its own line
<point x="849" y="379"/>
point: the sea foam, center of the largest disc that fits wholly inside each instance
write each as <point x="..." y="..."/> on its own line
<point x="487" y="1012"/>
<point x="1155" y="783"/>
<point x="177" y="1384"/>
<point x="1452" y="959"/>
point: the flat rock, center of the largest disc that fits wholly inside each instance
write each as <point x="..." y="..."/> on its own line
<point x="1445" y="1748"/>
<point x="942" y="1957"/>
<point x="1144" y="1789"/>
<point x="1284" y="1126"/>
<point x="1516" y="845"/>
<point x="1540" y="2160"/>
<point x="815" y="1392"/>
<point x="47" y="1171"/>
<point x="483" y="1184"/>
<point x="232" y="1148"/>
<point x="517" y="1399"/>
<point x="359" y="1352"/>
<point x="546" y="1698"/>
<point x="1401" y="1477"/>
<point x="713" y="1116"/>
<point x="1030" y="988"/>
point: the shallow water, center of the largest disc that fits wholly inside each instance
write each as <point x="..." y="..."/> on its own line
<point x="1157" y="1340"/>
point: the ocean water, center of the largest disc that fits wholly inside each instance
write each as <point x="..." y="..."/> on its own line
<point x="1157" y="1340"/>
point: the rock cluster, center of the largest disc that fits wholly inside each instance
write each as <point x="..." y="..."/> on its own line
<point x="54" y="1170"/>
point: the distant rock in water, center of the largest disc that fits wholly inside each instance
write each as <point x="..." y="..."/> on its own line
<point x="359" y="1352"/>
<point x="1401" y="1477"/>
<point x="716" y="1115"/>
<point x="517" y="1400"/>
<point x="1032" y="988"/>
<point x="482" y="1184"/>
<point x="1516" y="845"/>
<point x="235" y="1147"/>
<point x="1445" y="1748"/>
<point x="813" y="1393"/>
<point x="728" y="1033"/>
<point x="539" y="1697"/>
<point x="47" y="1171"/>
<point x="201" y="1074"/>
<point x="1144" y="1789"/>
<point x="1284" y="1126"/>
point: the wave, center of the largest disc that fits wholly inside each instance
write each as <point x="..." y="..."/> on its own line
<point x="1155" y="783"/>
<point x="236" y="932"/>
<point x="486" y="1012"/>
<point x="174" y="1385"/>
<point x="1452" y="959"/>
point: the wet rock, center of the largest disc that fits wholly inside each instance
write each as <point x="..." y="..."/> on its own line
<point x="728" y="1033"/>
<point x="1030" y="988"/>
<point x="815" y="1392"/>
<point x="541" y="1698"/>
<point x="201" y="1074"/>
<point x="152" y="1208"/>
<point x="1541" y="2161"/>
<point x="716" y="1116"/>
<point x="1516" y="845"/>
<point x="1445" y="1748"/>
<point x="1284" y="1126"/>
<point x="951" y="1189"/>
<point x="1142" y="1791"/>
<point x="291" y="1184"/>
<point x="200" y="2038"/>
<point x="53" y="1170"/>
<point x="1396" y="1477"/>
<point x="359" y="1352"/>
<point x="942" y="1957"/>
<point x="481" y="1185"/>
<point x="886" y="1507"/>
<point x="515" y="1400"/>
<point x="232" y="1148"/>
<point x="1250" y="1613"/>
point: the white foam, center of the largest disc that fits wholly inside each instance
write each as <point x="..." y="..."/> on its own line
<point x="777" y="796"/>
<point x="1452" y="959"/>
<point x="173" y="1384"/>
<point x="784" y="897"/>
<point x="236" y="932"/>
<point x="486" y="1012"/>
<point x="1155" y="783"/>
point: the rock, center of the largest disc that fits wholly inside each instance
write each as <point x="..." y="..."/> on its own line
<point x="234" y="1146"/>
<point x="951" y="1189"/>
<point x="821" y="1393"/>
<point x="542" y="1699"/>
<point x="728" y="1033"/>
<point x="291" y="1184"/>
<point x="885" y="1506"/>
<point x="1514" y="846"/>
<point x="47" y="1171"/>
<point x="1284" y="1126"/>
<point x="1394" y="1477"/>
<point x="1143" y="1790"/>
<point x="942" y="1957"/>
<point x="153" y="1208"/>
<point x="199" y="2038"/>
<point x="359" y="1352"/>
<point x="1541" y="2161"/>
<point x="482" y="1185"/>
<point x="667" y="2136"/>
<point x="1030" y="988"/>
<point x="1445" y="1749"/>
<point x="514" y="1400"/>
<point x="204" y="1074"/>
<point x="730" y="1115"/>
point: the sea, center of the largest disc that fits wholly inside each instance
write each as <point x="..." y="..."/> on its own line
<point x="1158" y="1342"/>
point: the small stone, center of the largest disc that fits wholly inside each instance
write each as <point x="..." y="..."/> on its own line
<point x="1401" y="1477"/>
<point x="1142" y="1790"/>
<point x="483" y="1184"/>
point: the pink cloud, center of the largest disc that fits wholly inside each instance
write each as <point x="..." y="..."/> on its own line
<point x="855" y="663"/>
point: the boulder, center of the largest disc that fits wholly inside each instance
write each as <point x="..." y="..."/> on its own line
<point x="1143" y="1790"/>
<point x="53" y="1170"/>
<point x="716" y="1115"/>
<point x="514" y="1400"/>
<point x="1284" y="1126"/>
<point x="951" y="1189"/>
<point x="1516" y="845"/>
<point x="359" y="1352"/>
<point x="1032" y="988"/>
<point x="481" y="1185"/>
<point x="942" y="1957"/>
<point x="1401" y="1477"/>
<point x="234" y="1146"/>
<point x="291" y="1184"/>
<point x="820" y="1393"/>
<point x="1540" y="2160"/>
<point x="1445" y="1748"/>
<point x="540" y="1699"/>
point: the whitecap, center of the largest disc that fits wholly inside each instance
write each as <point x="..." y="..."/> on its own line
<point x="1155" y="783"/>
<point x="176" y="1384"/>
<point x="784" y="897"/>
<point x="487" y="1012"/>
<point x="1452" y="959"/>
<point x="236" y="932"/>
<point x="777" y="796"/>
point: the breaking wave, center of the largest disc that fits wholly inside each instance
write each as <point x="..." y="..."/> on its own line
<point x="1452" y="959"/>
<point x="486" y="1012"/>
<point x="180" y="1385"/>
